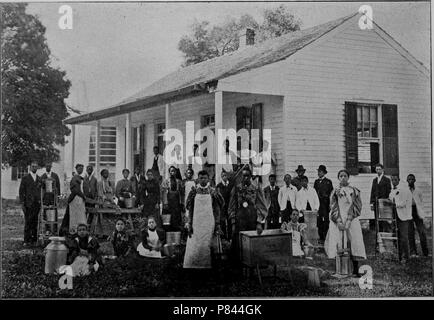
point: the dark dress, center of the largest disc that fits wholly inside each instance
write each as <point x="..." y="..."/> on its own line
<point x="88" y="243"/>
<point x="324" y="188"/>
<point x="379" y="191"/>
<point x="122" y="243"/>
<point x="271" y="197"/>
<point x="173" y="199"/>
<point x="225" y="191"/>
<point x="247" y="208"/>
<point x="150" y="197"/>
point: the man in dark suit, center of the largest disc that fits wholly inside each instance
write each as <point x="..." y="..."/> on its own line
<point x="55" y="185"/>
<point x="381" y="187"/>
<point x="271" y="194"/>
<point x="225" y="188"/>
<point x="324" y="188"/>
<point x="90" y="183"/>
<point x="30" y="198"/>
<point x="296" y="182"/>
<point x="138" y="181"/>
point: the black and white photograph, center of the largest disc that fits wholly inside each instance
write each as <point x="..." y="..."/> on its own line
<point x="226" y="150"/>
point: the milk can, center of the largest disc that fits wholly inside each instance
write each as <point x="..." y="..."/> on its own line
<point x="55" y="254"/>
<point x="343" y="261"/>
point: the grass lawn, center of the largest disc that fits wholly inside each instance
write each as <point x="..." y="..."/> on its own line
<point x="23" y="275"/>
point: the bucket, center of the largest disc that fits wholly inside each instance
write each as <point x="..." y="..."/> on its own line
<point x="343" y="263"/>
<point x="130" y="202"/>
<point x="173" y="237"/>
<point x="51" y="215"/>
<point x="55" y="255"/>
<point x="166" y="219"/>
<point x="169" y="250"/>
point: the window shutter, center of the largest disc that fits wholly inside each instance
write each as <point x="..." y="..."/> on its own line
<point x="390" y="139"/>
<point x="241" y="114"/>
<point x="351" y="148"/>
<point x="142" y="161"/>
<point x="14" y="173"/>
<point x="258" y="122"/>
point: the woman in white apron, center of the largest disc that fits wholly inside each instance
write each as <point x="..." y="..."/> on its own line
<point x="76" y="203"/>
<point x="152" y="240"/>
<point x="346" y="206"/>
<point x="203" y="205"/>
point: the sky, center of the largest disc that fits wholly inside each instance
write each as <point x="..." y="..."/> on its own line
<point x="116" y="49"/>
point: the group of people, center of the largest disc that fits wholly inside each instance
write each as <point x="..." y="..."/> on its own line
<point x="205" y="211"/>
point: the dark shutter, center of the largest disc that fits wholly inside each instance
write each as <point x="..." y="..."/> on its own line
<point x="351" y="149"/>
<point x="142" y="150"/>
<point x="258" y="121"/>
<point x="390" y="139"/>
<point x="243" y="115"/>
<point x="14" y="173"/>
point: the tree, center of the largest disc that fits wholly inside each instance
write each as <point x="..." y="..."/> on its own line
<point x="33" y="92"/>
<point x="205" y="42"/>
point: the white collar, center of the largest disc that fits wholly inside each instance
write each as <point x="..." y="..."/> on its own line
<point x="380" y="177"/>
<point x="48" y="173"/>
<point x="91" y="175"/>
<point x="34" y="175"/>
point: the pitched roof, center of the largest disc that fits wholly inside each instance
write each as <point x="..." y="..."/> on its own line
<point x="256" y="56"/>
<point x="181" y="81"/>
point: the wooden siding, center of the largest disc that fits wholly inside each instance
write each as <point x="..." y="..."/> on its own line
<point x="355" y="65"/>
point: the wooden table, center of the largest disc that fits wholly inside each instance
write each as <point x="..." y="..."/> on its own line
<point x="104" y="219"/>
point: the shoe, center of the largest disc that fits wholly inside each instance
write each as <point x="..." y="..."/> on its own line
<point x="413" y="256"/>
<point x="26" y="244"/>
<point x="403" y="262"/>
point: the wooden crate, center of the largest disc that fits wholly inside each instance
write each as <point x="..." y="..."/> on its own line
<point x="385" y="209"/>
<point x="272" y="247"/>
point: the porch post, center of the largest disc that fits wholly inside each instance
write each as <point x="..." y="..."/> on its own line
<point x="128" y="142"/>
<point x="73" y="147"/>
<point x="97" y="146"/>
<point x="218" y="118"/>
<point x="168" y="125"/>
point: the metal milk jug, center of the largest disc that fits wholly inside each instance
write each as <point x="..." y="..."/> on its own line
<point x="55" y="254"/>
<point x="343" y="261"/>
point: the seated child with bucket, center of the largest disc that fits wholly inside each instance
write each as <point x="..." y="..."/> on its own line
<point x="298" y="230"/>
<point x="153" y="240"/>
<point x="121" y="239"/>
<point x="83" y="252"/>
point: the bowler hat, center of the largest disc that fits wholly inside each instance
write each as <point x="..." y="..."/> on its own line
<point x="322" y="168"/>
<point x="300" y="168"/>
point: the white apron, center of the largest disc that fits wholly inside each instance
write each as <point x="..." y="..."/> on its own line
<point x="355" y="236"/>
<point x="198" y="249"/>
<point x="152" y="241"/>
<point x="77" y="214"/>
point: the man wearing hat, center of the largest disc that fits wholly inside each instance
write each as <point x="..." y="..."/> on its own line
<point x="324" y="188"/>
<point x="296" y="182"/>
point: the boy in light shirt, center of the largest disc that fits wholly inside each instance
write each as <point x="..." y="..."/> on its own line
<point x="402" y="198"/>
<point x="306" y="199"/>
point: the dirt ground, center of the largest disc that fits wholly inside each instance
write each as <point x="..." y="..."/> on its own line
<point x="23" y="275"/>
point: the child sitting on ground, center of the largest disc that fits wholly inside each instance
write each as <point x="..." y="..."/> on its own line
<point x="153" y="240"/>
<point x="83" y="252"/>
<point x="298" y="231"/>
<point x="121" y="240"/>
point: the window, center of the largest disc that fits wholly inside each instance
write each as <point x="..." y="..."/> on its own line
<point x="368" y="142"/>
<point x="107" y="148"/>
<point x="368" y="139"/>
<point x="18" y="172"/>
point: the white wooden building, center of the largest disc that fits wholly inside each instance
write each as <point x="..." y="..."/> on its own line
<point x="333" y="94"/>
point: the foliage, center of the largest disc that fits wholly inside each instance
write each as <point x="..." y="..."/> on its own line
<point x="33" y="92"/>
<point x="206" y="41"/>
